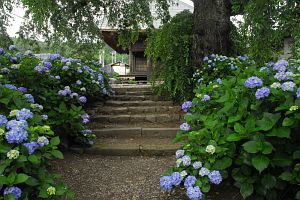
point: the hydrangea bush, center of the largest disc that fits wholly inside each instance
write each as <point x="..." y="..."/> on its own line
<point x="243" y="123"/>
<point x="62" y="85"/>
<point x="27" y="144"/>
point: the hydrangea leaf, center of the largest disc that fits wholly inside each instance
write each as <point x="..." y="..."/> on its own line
<point x="282" y="160"/>
<point x="296" y="155"/>
<point x="239" y="128"/>
<point x="267" y="148"/>
<point x="288" y="121"/>
<point x="268" y="121"/>
<point x="268" y="181"/>
<point x="234" y="137"/>
<point x="282" y="132"/>
<point x="223" y="163"/>
<point x="260" y="162"/>
<point x="246" y="190"/>
<point x="252" y="146"/>
<point x="287" y="176"/>
<point x="21" y="178"/>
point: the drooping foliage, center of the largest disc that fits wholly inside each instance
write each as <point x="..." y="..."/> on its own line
<point x="168" y="48"/>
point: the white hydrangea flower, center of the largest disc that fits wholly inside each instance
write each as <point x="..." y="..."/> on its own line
<point x="210" y="149"/>
<point x="276" y="85"/>
<point x="178" y="162"/>
<point x="183" y="173"/>
<point x="13" y="154"/>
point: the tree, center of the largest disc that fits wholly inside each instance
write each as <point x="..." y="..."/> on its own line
<point x="211" y="30"/>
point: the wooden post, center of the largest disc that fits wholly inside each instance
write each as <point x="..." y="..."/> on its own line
<point x="130" y="60"/>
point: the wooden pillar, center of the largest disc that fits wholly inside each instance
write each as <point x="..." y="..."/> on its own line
<point x="130" y="60"/>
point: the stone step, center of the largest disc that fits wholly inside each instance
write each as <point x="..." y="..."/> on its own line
<point x="135" y="110"/>
<point x="138" y="103"/>
<point x="133" y="147"/>
<point x="136" y="132"/>
<point x="126" y="90"/>
<point x="136" y="118"/>
<point x="97" y="125"/>
<point x="137" y="98"/>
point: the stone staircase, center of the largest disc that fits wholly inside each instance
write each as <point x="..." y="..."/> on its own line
<point x="134" y="122"/>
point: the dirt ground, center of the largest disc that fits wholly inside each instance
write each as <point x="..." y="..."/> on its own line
<point x="124" y="178"/>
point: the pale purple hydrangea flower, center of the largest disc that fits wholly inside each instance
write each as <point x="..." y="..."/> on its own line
<point x="190" y="181"/>
<point x="262" y="93"/>
<point x="85" y="118"/>
<point x="205" y="98"/>
<point x="186" y="161"/>
<point x="219" y="81"/>
<point x="82" y="99"/>
<point x="55" y="56"/>
<point x="288" y="86"/>
<point x="179" y="153"/>
<point x="14" y="124"/>
<point x="30" y="98"/>
<point x="42" y="141"/>
<point x="17" y="135"/>
<point x="185" y="127"/>
<point x="45" y="117"/>
<point x="78" y="82"/>
<point x="10" y="86"/>
<point x="186" y="106"/>
<point x="65" y="68"/>
<point x="12" y="48"/>
<point x="253" y="82"/>
<point x="281" y="76"/>
<point x="24" y="114"/>
<point x="47" y="64"/>
<point x="194" y="193"/>
<point x="197" y="165"/>
<point x="215" y="177"/>
<point x="203" y="172"/>
<point x="166" y="183"/>
<point x="298" y="93"/>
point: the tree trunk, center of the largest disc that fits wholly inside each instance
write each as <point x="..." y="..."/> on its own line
<point x="211" y="29"/>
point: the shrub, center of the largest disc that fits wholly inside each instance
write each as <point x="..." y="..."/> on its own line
<point x="61" y="85"/>
<point x="168" y="48"/>
<point x="27" y="144"/>
<point x="244" y="126"/>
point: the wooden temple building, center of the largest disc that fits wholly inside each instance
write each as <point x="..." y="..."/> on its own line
<point x="140" y="66"/>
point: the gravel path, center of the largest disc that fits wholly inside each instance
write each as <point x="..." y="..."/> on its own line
<point x="94" y="177"/>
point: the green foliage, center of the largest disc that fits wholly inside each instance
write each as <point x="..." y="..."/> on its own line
<point x="259" y="136"/>
<point x="266" y="24"/>
<point x="25" y="170"/>
<point x="168" y="48"/>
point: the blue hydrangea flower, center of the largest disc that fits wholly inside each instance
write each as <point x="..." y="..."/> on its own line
<point x="185" y="127"/>
<point x="190" y="181"/>
<point x="30" y="98"/>
<point x="3" y="120"/>
<point x="179" y="153"/>
<point x="47" y="64"/>
<point x="186" y="161"/>
<point x="166" y="183"/>
<point x="298" y="93"/>
<point x="28" y="52"/>
<point x="10" y="86"/>
<point x="100" y="77"/>
<point x="197" y="165"/>
<point x="215" y="177"/>
<point x="219" y="81"/>
<point x="203" y="172"/>
<point x="289" y="75"/>
<point x="262" y="93"/>
<point x="41" y="69"/>
<point x="62" y="92"/>
<point x="86" y="131"/>
<point x="2" y="51"/>
<point x="16" y="135"/>
<point x="243" y="58"/>
<point x="31" y="147"/>
<point x="85" y="118"/>
<point x="186" y="106"/>
<point x="176" y="178"/>
<point x="82" y="99"/>
<point x="205" y="58"/>
<point x="57" y="77"/>
<point x="194" y="193"/>
<point x="24" y="114"/>
<point x="42" y="141"/>
<point x="280" y="65"/>
<point x="105" y="92"/>
<point x="12" y="48"/>
<point x="54" y="56"/>
<point x="22" y="89"/>
<point x="20" y="55"/>
<point x="253" y="82"/>
<point x="17" y="192"/>
<point x="288" y="86"/>
<point x="12" y="124"/>
<point x="281" y="76"/>
<point x="205" y="98"/>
